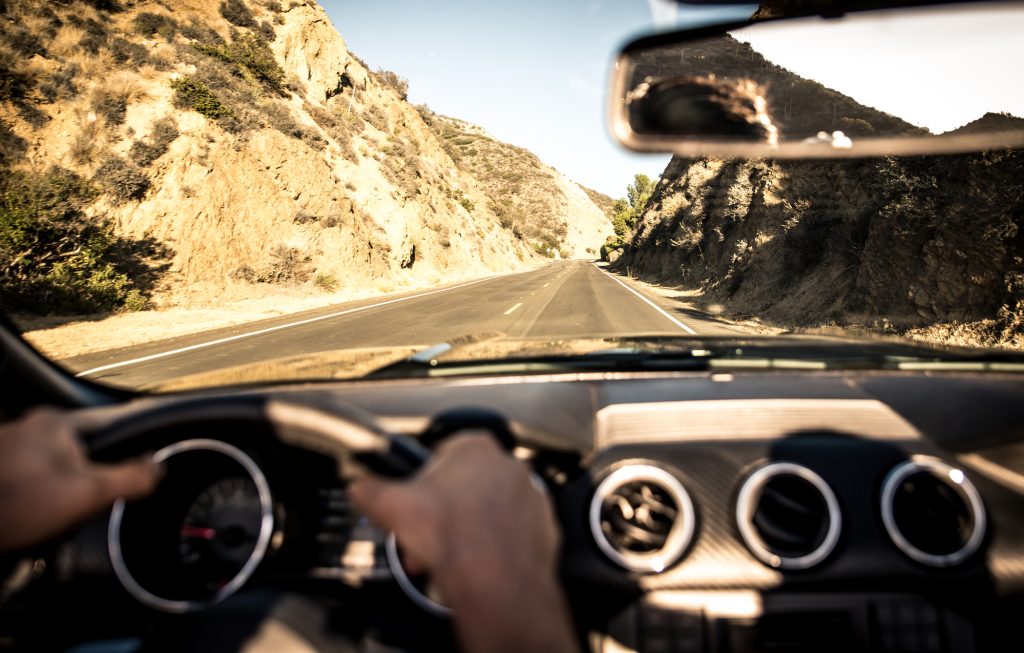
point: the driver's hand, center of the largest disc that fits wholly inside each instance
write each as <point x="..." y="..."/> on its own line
<point x="474" y="520"/>
<point x="48" y="484"/>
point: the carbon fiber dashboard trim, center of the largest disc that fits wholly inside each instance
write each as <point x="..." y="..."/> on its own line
<point x="746" y="419"/>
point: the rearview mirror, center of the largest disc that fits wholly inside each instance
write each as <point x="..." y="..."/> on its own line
<point x="924" y="80"/>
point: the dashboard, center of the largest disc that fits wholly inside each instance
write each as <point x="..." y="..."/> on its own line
<point x="700" y="512"/>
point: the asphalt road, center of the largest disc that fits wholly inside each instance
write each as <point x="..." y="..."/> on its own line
<point x="565" y="299"/>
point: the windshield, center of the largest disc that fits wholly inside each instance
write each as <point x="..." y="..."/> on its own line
<point x="253" y="190"/>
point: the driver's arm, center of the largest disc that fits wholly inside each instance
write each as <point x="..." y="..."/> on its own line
<point x="475" y="522"/>
<point x="48" y="484"/>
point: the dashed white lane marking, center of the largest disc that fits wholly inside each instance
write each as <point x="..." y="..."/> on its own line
<point x="650" y="303"/>
<point x="546" y="285"/>
<point x="509" y="311"/>
<point x="279" y="327"/>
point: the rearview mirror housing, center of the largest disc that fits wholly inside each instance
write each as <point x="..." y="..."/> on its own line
<point x="918" y="80"/>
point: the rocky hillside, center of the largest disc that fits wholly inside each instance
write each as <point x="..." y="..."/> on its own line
<point x="184" y="154"/>
<point x="926" y="246"/>
<point x="898" y="245"/>
<point x="539" y="204"/>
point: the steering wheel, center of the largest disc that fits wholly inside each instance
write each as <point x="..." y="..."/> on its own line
<point x="322" y="425"/>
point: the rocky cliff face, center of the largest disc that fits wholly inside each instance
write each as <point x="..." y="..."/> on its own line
<point x="893" y="244"/>
<point x="540" y="205"/>
<point x="252" y="147"/>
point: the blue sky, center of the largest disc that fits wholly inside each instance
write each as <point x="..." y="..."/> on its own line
<point x="532" y="72"/>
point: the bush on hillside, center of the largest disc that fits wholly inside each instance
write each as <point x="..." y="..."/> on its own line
<point x="326" y="282"/>
<point x="236" y="13"/>
<point x="148" y="24"/>
<point x="54" y="259"/>
<point x="12" y="146"/>
<point x="393" y="81"/>
<point x="110" y="105"/>
<point x="252" y="58"/>
<point x="60" y="84"/>
<point x="23" y="41"/>
<point x="144" y="153"/>
<point x="192" y="94"/>
<point x="201" y="32"/>
<point x="280" y="118"/>
<point x="96" y="33"/>
<point x="15" y="85"/>
<point x="122" y="181"/>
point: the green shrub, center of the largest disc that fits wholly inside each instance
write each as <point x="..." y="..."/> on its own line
<point x="236" y="13"/>
<point x="53" y="258"/>
<point x="254" y="55"/>
<point x="463" y="201"/>
<point x="122" y="181"/>
<point x="148" y="24"/>
<point x="325" y="282"/>
<point x="252" y="58"/>
<point x="192" y="94"/>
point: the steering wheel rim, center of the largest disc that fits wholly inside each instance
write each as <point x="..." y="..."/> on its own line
<point x="325" y="426"/>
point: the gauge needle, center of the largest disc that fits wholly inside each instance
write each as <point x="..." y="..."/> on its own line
<point x="198" y="531"/>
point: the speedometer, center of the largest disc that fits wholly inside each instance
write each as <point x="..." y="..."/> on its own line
<point x="201" y="535"/>
<point x="220" y="531"/>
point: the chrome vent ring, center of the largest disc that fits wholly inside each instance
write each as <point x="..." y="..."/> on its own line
<point x="932" y="512"/>
<point x="642" y="518"/>
<point x="788" y="516"/>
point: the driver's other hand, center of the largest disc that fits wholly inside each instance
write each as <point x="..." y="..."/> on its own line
<point x="475" y="521"/>
<point x="48" y="484"/>
<point x="471" y="504"/>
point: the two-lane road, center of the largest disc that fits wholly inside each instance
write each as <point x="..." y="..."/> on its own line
<point x="566" y="299"/>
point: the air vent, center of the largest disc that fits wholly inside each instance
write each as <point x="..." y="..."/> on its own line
<point x="932" y="512"/>
<point x="788" y="516"/>
<point x="642" y="518"/>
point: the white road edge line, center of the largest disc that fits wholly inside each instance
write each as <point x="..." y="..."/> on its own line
<point x="279" y="327"/>
<point x="509" y="311"/>
<point x="649" y="302"/>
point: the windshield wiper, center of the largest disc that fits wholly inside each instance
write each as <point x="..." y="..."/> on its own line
<point x="426" y="363"/>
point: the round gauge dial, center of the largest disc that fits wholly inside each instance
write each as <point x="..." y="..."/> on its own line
<point x="220" y="531"/>
<point x="201" y="535"/>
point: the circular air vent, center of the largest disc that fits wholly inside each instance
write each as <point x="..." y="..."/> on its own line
<point x="932" y="512"/>
<point x="642" y="518"/>
<point x="788" y="516"/>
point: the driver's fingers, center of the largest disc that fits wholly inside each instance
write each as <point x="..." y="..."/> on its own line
<point x="387" y="503"/>
<point x="128" y="480"/>
<point x="400" y="508"/>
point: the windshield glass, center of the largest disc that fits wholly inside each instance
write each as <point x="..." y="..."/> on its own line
<point x="254" y="190"/>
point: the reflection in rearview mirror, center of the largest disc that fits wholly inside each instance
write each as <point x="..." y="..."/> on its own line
<point x="912" y="81"/>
